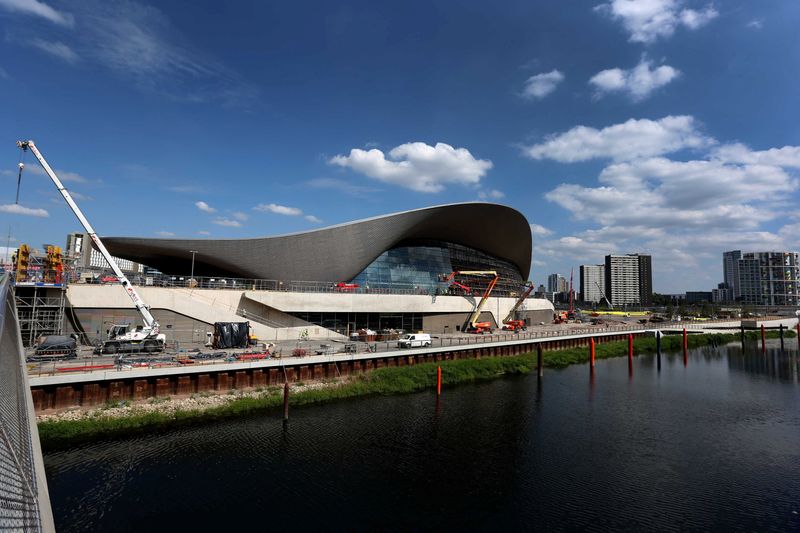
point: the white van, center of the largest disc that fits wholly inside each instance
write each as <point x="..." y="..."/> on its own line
<point x="414" y="340"/>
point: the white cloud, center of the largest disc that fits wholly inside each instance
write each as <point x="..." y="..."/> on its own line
<point x="540" y="231"/>
<point x="279" y="209"/>
<point x="202" y="206"/>
<point x="541" y="85"/>
<point x="418" y="166"/>
<point x="56" y="49"/>
<point x="788" y="156"/>
<point x="39" y="9"/>
<point x="312" y="218"/>
<point x="694" y="19"/>
<point x="165" y="233"/>
<point x="238" y="215"/>
<point x="493" y="194"/>
<point x="756" y="24"/>
<point x="16" y="209"/>
<point x="630" y="140"/>
<point x="203" y="232"/>
<point x="648" y="20"/>
<point x="140" y="44"/>
<point x="637" y="82"/>
<point x="227" y="222"/>
<point x="63" y="175"/>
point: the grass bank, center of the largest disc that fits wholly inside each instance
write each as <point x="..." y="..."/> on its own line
<point x="394" y="380"/>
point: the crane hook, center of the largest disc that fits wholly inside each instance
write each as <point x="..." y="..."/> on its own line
<point x="19" y="179"/>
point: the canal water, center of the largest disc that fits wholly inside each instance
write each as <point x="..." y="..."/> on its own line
<point x="714" y="445"/>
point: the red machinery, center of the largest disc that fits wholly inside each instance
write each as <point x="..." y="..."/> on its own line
<point x="471" y="325"/>
<point x="511" y="324"/>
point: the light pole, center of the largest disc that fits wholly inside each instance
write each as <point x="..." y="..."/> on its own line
<point x="191" y="276"/>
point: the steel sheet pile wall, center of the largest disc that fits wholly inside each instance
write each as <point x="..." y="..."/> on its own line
<point x="24" y="503"/>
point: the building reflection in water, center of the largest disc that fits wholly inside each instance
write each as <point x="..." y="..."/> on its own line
<point x="774" y="363"/>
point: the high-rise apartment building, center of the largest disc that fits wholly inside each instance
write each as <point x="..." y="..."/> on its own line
<point x="730" y="271"/>
<point x="552" y="283"/>
<point x="769" y="278"/>
<point x="593" y="282"/>
<point x="629" y="279"/>
<point x="645" y="279"/>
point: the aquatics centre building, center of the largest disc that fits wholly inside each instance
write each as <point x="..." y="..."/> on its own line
<point x="386" y="272"/>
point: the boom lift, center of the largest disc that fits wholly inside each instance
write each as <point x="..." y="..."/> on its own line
<point x="120" y="337"/>
<point x="471" y="325"/>
<point x="509" y="322"/>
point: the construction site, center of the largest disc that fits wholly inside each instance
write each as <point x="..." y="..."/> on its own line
<point x="417" y="272"/>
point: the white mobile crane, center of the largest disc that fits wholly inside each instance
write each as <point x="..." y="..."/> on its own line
<point x="120" y="337"/>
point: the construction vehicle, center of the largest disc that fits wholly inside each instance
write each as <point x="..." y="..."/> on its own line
<point x="120" y="337"/>
<point x="571" y="312"/>
<point x="472" y="325"/>
<point x="603" y="294"/>
<point x="509" y="322"/>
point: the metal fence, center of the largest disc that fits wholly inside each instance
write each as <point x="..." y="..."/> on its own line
<point x="24" y="501"/>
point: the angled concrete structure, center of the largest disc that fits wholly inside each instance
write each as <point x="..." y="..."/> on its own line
<point x="340" y="252"/>
<point x="289" y="284"/>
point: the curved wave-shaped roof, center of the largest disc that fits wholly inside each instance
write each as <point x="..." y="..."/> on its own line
<point x="338" y="252"/>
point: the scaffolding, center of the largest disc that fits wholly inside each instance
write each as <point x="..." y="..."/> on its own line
<point x="40" y="309"/>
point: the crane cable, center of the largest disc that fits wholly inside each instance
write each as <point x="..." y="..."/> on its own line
<point x="21" y="165"/>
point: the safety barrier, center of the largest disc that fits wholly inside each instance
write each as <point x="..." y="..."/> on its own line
<point x="24" y="501"/>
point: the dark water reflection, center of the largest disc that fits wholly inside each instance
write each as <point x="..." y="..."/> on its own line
<point x="711" y="446"/>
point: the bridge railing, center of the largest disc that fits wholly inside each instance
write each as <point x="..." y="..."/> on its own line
<point x="24" y="500"/>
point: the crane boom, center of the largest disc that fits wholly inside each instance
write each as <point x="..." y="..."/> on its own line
<point x="477" y="312"/>
<point x="519" y="302"/>
<point x="149" y="321"/>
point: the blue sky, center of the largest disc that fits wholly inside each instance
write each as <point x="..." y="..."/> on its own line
<point x="661" y="126"/>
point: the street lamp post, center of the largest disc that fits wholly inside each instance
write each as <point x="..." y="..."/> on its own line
<point x="191" y="276"/>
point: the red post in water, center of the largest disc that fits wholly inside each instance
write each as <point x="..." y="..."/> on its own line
<point x="685" y="348"/>
<point x="763" y="339"/>
<point x="438" y="380"/>
<point x="630" y="354"/>
<point x="591" y="353"/>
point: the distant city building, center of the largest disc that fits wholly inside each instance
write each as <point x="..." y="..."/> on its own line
<point x="87" y="257"/>
<point x="593" y="282"/>
<point x="694" y="297"/>
<point x="629" y="279"/>
<point x="722" y="294"/>
<point x="645" y="279"/>
<point x="769" y="278"/>
<point x="730" y="272"/>
<point x="563" y="286"/>
<point x="552" y="282"/>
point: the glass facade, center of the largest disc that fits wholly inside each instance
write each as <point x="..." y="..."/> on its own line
<point x="420" y="266"/>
